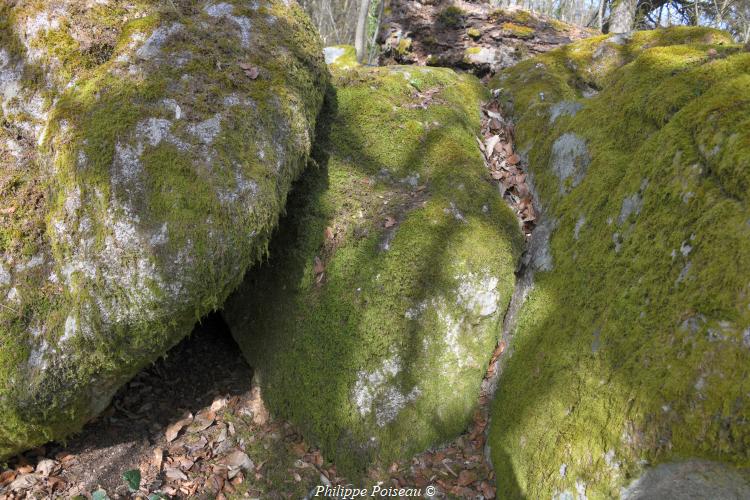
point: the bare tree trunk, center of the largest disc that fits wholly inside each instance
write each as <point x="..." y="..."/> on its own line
<point x="601" y="15"/>
<point x="661" y="10"/>
<point x="697" y="13"/>
<point x="374" y="41"/>
<point x="360" y="36"/>
<point x="622" y="16"/>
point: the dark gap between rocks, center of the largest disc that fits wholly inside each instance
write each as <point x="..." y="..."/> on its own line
<point x="204" y="365"/>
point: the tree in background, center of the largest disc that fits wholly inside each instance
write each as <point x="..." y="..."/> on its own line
<point x="360" y="34"/>
<point x="356" y="22"/>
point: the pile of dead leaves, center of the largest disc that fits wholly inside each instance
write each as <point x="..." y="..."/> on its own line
<point x="457" y="470"/>
<point x="234" y="449"/>
<point x="38" y="481"/>
<point x="201" y="454"/>
<point x="505" y="165"/>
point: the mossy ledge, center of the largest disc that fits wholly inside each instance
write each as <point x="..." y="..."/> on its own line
<point x="150" y="170"/>
<point x="373" y="322"/>
<point x="633" y="346"/>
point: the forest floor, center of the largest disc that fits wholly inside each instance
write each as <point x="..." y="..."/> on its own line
<point x="193" y="424"/>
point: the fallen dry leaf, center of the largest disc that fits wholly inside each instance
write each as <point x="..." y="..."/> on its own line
<point x="185" y="463"/>
<point x="513" y="159"/>
<point x="389" y="222"/>
<point x="238" y="479"/>
<point x="23" y="482"/>
<point x="318" y="267"/>
<point x="175" y="474"/>
<point x="238" y="461"/>
<point x="299" y="449"/>
<point x="174" y="429"/>
<point x="7" y="477"/>
<point x="328" y="233"/>
<point x="466" y="477"/>
<point x="489" y="145"/>
<point x="202" y="421"/>
<point x="219" y="404"/>
<point x="158" y="458"/>
<point x="488" y="491"/>
<point x="194" y="446"/>
<point x="215" y="483"/>
<point x="46" y="467"/>
<point x="25" y="469"/>
<point x="56" y="483"/>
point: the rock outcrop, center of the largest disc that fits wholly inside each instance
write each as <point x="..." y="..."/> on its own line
<point x="632" y="347"/>
<point x="468" y="35"/>
<point x="372" y="325"/>
<point x="147" y="149"/>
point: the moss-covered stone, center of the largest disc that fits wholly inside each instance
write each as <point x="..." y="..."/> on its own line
<point x="516" y="15"/>
<point x="474" y="33"/>
<point x="451" y="16"/>
<point x="147" y="149"/>
<point x="403" y="46"/>
<point x="373" y="322"/>
<point x="518" y="30"/>
<point x="633" y="346"/>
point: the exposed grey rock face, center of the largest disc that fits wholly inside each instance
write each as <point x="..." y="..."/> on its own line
<point x="569" y="160"/>
<point x="564" y="108"/>
<point x="693" y="479"/>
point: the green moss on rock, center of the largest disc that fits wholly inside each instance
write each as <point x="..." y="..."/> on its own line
<point x="518" y="31"/>
<point x="373" y="322"/>
<point x="403" y="46"/>
<point x="633" y="345"/>
<point x="474" y="33"/>
<point x="515" y="15"/>
<point x="148" y="170"/>
<point x="451" y="16"/>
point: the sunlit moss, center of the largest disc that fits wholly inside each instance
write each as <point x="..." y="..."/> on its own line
<point x="518" y="30"/>
<point x="633" y="350"/>
<point x="403" y="46"/>
<point x="474" y="33"/>
<point x="516" y="15"/>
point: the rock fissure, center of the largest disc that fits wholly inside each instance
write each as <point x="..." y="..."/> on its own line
<point x="515" y="186"/>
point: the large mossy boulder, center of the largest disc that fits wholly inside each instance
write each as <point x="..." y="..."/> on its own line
<point x="373" y="322"/>
<point x="146" y="150"/>
<point x="632" y="348"/>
